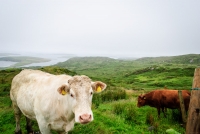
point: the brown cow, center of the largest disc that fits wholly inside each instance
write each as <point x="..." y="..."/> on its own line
<point x="161" y="99"/>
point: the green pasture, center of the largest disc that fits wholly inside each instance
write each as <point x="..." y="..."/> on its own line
<point x="115" y="110"/>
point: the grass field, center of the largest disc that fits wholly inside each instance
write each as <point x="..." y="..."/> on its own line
<point x="115" y="110"/>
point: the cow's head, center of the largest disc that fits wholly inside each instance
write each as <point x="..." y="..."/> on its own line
<point x="79" y="92"/>
<point x="141" y="100"/>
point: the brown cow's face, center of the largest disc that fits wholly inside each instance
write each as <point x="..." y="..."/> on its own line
<point x="141" y="101"/>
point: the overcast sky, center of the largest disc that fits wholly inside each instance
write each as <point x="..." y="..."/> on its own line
<point x="128" y="28"/>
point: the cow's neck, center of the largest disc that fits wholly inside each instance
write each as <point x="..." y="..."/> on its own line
<point x="149" y="98"/>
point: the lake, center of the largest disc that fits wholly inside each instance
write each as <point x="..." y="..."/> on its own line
<point x="54" y="59"/>
<point x="6" y="63"/>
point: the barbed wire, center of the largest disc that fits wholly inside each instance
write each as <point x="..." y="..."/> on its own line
<point x="196" y="88"/>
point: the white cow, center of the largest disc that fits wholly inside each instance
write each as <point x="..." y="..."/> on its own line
<point x="55" y="101"/>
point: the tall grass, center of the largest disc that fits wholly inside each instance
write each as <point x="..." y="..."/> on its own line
<point x="127" y="111"/>
<point x="109" y="95"/>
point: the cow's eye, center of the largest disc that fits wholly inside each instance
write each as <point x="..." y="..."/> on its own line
<point x="72" y="95"/>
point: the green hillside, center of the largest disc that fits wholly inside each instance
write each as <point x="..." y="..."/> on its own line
<point x="100" y="66"/>
<point x="192" y="59"/>
<point x="154" y="72"/>
<point x="115" y="110"/>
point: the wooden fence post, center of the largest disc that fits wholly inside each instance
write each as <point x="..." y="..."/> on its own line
<point x="193" y="120"/>
<point x="184" y="118"/>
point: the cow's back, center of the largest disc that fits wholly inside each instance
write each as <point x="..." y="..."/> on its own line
<point x="30" y="85"/>
<point x="170" y="98"/>
<point x="25" y="81"/>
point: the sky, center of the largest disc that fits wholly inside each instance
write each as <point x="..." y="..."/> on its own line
<point x="122" y="28"/>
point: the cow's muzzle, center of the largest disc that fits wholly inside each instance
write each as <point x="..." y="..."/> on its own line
<point x="85" y="118"/>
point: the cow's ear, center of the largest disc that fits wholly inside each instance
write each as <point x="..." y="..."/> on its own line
<point x="98" y="86"/>
<point x="63" y="90"/>
<point x="144" y="97"/>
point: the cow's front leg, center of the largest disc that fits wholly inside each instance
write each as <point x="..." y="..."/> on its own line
<point x="44" y="129"/>
<point x="69" y="126"/>
<point x="43" y="126"/>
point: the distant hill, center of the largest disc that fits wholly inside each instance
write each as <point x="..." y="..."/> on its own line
<point x="23" y="60"/>
<point x="181" y="59"/>
<point x="96" y="66"/>
<point x="82" y="63"/>
<point x="127" y="72"/>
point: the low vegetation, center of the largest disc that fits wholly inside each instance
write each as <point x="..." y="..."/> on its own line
<point x="115" y="110"/>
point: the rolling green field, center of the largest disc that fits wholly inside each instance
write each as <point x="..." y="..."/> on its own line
<point x="115" y="110"/>
<point x="171" y="72"/>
